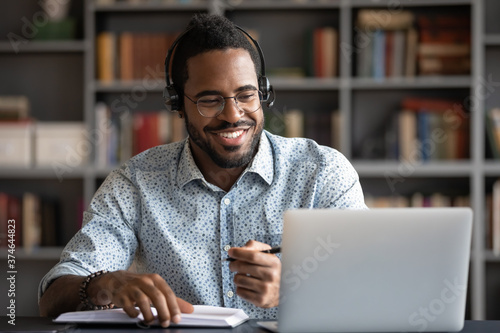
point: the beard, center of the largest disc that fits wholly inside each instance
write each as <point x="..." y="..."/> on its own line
<point x="224" y="161"/>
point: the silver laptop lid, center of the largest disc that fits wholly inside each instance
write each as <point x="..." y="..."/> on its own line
<point x="400" y="269"/>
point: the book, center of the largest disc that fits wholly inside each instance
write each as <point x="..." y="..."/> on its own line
<point x="368" y="19"/>
<point x="105" y="59"/>
<point x="495" y="217"/>
<point x="294" y="123"/>
<point x="411" y="52"/>
<point x="407" y="136"/>
<point x="202" y="316"/>
<point x="444" y="44"/>
<point x="442" y="129"/>
<point x="31" y="223"/>
<point x="493" y="130"/>
<point x="14" y="107"/>
<point x="378" y="69"/>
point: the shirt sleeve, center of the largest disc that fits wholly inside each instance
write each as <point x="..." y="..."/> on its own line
<point x="341" y="187"/>
<point x="107" y="239"/>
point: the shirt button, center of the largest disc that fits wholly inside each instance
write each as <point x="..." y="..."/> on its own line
<point x="230" y="293"/>
<point x="227" y="201"/>
<point x="227" y="247"/>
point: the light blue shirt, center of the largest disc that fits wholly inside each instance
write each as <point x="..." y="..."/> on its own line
<point x="159" y="210"/>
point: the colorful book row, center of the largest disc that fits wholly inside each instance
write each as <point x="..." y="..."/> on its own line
<point x="125" y="134"/>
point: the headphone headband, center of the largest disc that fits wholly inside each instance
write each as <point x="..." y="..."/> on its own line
<point x="171" y="96"/>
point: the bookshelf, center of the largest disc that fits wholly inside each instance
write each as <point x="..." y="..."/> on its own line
<point x="69" y="91"/>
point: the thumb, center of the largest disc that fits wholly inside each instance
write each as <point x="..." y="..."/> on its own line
<point x="256" y="246"/>
<point x="185" y="306"/>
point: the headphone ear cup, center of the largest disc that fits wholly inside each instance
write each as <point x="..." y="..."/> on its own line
<point x="265" y="88"/>
<point x="267" y="91"/>
<point x="171" y="99"/>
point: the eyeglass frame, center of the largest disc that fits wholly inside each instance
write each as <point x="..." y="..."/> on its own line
<point x="224" y="103"/>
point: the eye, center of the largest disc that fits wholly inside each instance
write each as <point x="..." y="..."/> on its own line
<point x="246" y="96"/>
<point x="209" y="101"/>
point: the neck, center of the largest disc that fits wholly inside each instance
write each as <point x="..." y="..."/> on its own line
<point x="224" y="178"/>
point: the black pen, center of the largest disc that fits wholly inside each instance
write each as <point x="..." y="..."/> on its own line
<point x="271" y="250"/>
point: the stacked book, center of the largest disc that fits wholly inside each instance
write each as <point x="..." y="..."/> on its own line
<point x="321" y="126"/>
<point x="131" y="56"/>
<point x="444" y="45"/>
<point x="432" y="129"/>
<point x="125" y="134"/>
<point x="385" y="44"/>
<point x="36" y="221"/>
<point x="322" y="49"/>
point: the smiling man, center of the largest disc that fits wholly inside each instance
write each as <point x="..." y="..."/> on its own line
<point x="179" y="210"/>
<point x="229" y="139"/>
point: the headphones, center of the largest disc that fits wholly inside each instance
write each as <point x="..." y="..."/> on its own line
<point x="172" y="99"/>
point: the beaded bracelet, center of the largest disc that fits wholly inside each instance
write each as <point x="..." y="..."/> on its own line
<point x="84" y="298"/>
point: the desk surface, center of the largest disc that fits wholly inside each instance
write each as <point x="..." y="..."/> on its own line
<point x="38" y="324"/>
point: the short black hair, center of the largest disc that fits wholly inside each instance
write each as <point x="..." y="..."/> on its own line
<point x="205" y="33"/>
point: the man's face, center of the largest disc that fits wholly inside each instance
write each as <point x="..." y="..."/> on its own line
<point x="229" y="140"/>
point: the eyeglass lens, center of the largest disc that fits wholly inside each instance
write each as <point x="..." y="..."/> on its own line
<point x="247" y="101"/>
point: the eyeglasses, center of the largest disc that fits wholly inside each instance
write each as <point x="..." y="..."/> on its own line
<point x="211" y="106"/>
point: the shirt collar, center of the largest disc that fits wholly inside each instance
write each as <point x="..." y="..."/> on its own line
<point x="187" y="169"/>
<point x="262" y="163"/>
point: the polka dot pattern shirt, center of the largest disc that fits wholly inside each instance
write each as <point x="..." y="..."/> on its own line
<point x="159" y="211"/>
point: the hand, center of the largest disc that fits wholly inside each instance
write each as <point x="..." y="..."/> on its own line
<point x="258" y="274"/>
<point x="128" y="290"/>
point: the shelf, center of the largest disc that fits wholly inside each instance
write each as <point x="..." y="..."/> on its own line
<point x="283" y="83"/>
<point x="46" y="173"/>
<point x="398" y="5"/>
<point x="492" y="168"/>
<point x="158" y="85"/>
<point x="492" y="39"/>
<point x="418" y="82"/>
<point x="152" y="6"/>
<point x="41" y="253"/>
<point x="275" y="5"/>
<point x="429" y="169"/>
<point x="43" y="47"/>
<point x="127" y="86"/>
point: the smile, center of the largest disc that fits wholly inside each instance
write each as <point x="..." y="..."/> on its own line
<point x="231" y="135"/>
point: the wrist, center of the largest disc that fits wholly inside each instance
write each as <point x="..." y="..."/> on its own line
<point x="92" y="295"/>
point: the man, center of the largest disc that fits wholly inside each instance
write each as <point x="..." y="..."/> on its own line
<point x="178" y="210"/>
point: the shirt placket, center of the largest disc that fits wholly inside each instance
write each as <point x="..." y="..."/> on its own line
<point x="226" y="242"/>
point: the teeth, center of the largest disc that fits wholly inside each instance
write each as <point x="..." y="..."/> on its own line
<point x="230" y="135"/>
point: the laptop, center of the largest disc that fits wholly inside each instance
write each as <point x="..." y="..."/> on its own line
<point x="378" y="270"/>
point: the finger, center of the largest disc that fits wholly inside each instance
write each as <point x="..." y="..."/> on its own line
<point x="130" y="309"/>
<point x="144" y="305"/>
<point x="173" y="307"/>
<point x="247" y="294"/>
<point x="170" y="309"/>
<point x="254" y="271"/>
<point x="247" y="282"/>
<point x="185" y="306"/>
<point x="264" y="296"/>
<point x="255" y="245"/>
<point x="159" y="301"/>
<point x="251" y="256"/>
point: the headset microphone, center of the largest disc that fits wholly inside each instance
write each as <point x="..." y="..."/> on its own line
<point x="171" y="96"/>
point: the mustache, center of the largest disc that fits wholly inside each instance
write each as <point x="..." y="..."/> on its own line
<point x="225" y="125"/>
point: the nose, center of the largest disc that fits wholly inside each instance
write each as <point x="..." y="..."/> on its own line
<point x="231" y="113"/>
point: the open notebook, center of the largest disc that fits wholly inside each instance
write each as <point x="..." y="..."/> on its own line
<point x="203" y="316"/>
